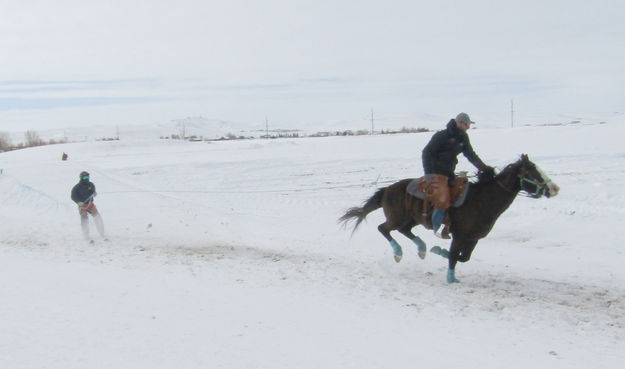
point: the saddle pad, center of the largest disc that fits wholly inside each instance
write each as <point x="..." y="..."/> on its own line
<point x="413" y="189"/>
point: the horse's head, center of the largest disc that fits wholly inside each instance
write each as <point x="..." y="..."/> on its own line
<point x="534" y="181"/>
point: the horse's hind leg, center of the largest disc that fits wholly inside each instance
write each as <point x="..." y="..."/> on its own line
<point x="406" y="230"/>
<point x="386" y="232"/>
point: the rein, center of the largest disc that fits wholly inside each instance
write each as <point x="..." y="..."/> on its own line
<point x="504" y="187"/>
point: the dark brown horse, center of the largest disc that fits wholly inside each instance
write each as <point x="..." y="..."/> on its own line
<point x="486" y="200"/>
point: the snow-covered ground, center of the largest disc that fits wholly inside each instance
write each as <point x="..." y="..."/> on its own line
<point x="228" y="255"/>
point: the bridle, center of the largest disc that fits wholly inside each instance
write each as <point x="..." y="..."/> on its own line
<point x="541" y="186"/>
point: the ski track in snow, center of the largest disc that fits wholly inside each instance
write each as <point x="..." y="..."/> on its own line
<point x="581" y="309"/>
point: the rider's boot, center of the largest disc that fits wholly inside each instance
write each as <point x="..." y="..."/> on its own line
<point x="438" y="223"/>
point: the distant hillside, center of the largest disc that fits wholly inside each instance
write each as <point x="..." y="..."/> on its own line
<point x="206" y="128"/>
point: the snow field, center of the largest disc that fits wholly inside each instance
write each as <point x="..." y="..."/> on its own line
<point x="229" y="255"/>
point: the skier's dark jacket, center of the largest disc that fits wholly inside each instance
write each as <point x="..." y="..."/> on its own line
<point x="439" y="155"/>
<point x="84" y="191"/>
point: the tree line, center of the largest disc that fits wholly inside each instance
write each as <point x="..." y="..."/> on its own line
<point x="31" y="139"/>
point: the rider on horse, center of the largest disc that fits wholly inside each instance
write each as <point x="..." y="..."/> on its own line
<point x="439" y="164"/>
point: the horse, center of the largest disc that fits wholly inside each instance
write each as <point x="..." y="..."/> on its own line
<point x="485" y="201"/>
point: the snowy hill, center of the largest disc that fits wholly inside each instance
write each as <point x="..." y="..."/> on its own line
<point x="228" y="255"/>
<point x="208" y="128"/>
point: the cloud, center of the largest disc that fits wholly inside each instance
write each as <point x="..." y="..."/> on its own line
<point x="64" y="103"/>
<point x="319" y="58"/>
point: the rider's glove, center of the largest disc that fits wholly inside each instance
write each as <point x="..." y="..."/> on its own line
<point x="488" y="170"/>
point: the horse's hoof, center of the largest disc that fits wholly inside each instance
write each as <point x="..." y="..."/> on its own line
<point x="421" y="246"/>
<point x="451" y="276"/>
<point x="397" y="253"/>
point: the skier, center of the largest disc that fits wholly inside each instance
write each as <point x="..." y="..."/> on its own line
<point x="83" y="194"/>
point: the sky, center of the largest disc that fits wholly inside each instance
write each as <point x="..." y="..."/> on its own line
<point x="68" y="63"/>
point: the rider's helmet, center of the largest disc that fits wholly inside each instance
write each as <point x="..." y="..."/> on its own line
<point x="84" y="176"/>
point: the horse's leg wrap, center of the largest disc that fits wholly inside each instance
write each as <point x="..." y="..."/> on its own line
<point x="451" y="276"/>
<point x="439" y="251"/>
<point x="397" y="253"/>
<point x="421" y="245"/>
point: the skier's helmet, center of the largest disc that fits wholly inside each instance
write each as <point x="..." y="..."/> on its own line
<point x="84" y="176"/>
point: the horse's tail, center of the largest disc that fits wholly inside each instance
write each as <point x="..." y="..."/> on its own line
<point x="360" y="213"/>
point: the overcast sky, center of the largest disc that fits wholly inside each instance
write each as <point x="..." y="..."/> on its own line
<point x="118" y="62"/>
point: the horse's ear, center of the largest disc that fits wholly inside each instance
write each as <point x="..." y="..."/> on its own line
<point x="525" y="158"/>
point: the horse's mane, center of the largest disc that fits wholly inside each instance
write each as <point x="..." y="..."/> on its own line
<point x="484" y="177"/>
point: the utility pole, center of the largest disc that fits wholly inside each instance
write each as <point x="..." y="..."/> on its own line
<point x="117" y="133"/>
<point x="266" y="127"/>
<point x="511" y="113"/>
<point x="371" y="120"/>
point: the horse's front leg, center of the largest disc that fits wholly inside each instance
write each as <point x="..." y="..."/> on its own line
<point x="454" y="253"/>
<point x="467" y="250"/>
<point x="460" y="251"/>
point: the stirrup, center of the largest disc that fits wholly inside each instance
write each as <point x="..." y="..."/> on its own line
<point x="442" y="232"/>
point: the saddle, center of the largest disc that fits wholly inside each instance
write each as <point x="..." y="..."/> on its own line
<point x="458" y="193"/>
